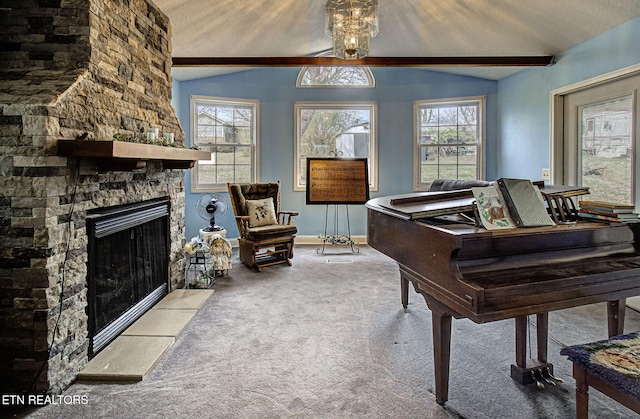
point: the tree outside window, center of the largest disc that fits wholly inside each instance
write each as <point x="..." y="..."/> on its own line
<point x="449" y="138"/>
<point x="335" y="77"/>
<point x="226" y="128"/>
<point x="335" y="129"/>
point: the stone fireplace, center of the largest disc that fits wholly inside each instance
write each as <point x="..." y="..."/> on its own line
<point x="73" y="69"/>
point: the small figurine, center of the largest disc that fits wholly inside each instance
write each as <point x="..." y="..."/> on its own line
<point x="220" y="249"/>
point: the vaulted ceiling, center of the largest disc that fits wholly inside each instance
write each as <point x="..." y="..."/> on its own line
<point x="408" y="28"/>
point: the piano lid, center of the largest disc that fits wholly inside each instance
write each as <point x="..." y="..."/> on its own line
<point x="430" y="204"/>
<point x="433" y="204"/>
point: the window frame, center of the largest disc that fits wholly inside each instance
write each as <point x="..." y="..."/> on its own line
<point x="563" y="165"/>
<point x="372" y="160"/>
<point x="195" y="100"/>
<point x="418" y="105"/>
<point x="366" y="70"/>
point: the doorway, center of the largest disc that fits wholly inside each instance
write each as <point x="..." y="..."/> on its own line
<point x="594" y="138"/>
<point x="595" y="142"/>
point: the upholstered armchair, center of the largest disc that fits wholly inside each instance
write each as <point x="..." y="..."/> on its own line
<point x="266" y="232"/>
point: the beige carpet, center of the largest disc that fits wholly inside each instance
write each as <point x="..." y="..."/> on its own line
<point x="328" y="338"/>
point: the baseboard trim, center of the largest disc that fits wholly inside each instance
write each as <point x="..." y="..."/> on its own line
<point x="311" y="240"/>
<point x="315" y="240"/>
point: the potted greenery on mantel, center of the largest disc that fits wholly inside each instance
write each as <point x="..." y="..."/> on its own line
<point x="128" y="153"/>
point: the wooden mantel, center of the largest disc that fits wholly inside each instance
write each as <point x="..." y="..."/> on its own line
<point x="122" y="155"/>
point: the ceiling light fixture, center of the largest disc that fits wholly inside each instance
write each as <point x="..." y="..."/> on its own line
<point x="351" y="24"/>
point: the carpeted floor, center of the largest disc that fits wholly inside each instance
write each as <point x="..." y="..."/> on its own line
<point x="328" y="338"/>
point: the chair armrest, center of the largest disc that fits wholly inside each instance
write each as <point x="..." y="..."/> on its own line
<point x="284" y="217"/>
<point x="292" y="213"/>
<point x="243" y="221"/>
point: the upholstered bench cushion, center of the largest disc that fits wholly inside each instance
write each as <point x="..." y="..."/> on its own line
<point x="615" y="360"/>
<point x="269" y="231"/>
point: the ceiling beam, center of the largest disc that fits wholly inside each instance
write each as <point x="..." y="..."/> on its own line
<point x="513" y="61"/>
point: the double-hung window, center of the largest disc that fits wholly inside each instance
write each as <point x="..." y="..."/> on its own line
<point x="335" y="129"/>
<point x="228" y="129"/>
<point x="449" y="137"/>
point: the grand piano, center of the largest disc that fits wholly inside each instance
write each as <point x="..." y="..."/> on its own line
<point x="465" y="271"/>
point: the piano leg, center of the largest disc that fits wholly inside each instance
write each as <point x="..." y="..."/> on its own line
<point x="441" y="317"/>
<point x="441" y="328"/>
<point x="615" y="317"/>
<point x="404" y="291"/>
<point x="525" y="370"/>
<point x="442" y="355"/>
<point x="542" y="328"/>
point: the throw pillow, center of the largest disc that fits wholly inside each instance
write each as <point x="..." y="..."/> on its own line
<point x="261" y="211"/>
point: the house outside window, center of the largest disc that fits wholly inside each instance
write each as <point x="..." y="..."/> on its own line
<point x="228" y="129"/>
<point x="335" y="129"/>
<point x="449" y="138"/>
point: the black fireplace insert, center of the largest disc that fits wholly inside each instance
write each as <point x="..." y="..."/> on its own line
<point x="128" y="266"/>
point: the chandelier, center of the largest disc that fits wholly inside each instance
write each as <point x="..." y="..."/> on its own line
<point x="351" y="24"/>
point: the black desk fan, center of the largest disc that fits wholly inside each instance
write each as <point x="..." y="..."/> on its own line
<point x="210" y="206"/>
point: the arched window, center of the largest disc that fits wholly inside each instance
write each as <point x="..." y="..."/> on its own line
<point x="335" y="77"/>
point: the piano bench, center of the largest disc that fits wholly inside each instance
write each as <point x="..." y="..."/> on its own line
<point x="610" y="366"/>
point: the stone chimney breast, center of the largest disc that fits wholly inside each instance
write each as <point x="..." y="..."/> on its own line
<point x="72" y="68"/>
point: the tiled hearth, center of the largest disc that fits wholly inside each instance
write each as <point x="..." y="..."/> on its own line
<point x="134" y="353"/>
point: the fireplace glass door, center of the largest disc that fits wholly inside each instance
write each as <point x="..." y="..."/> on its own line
<point x="128" y="267"/>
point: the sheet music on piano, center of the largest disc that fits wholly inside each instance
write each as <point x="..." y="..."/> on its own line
<point x="525" y="202"/>
<point x="492" y="208"/>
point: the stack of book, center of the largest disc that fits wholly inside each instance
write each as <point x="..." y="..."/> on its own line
<point x="608" y="211"/>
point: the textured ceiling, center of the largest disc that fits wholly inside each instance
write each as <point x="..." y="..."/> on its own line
<point x="408" y="28"/>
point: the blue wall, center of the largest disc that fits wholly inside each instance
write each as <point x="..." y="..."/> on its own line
<point x="275" y="88"/>
<point x="524" y="98"/>
<point x="517" y="132"/>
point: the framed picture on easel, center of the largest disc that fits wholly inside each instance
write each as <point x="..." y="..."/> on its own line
<point x="337" y="180"/>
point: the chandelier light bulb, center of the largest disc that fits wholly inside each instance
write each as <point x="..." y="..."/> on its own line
<point x="351" y="24"/>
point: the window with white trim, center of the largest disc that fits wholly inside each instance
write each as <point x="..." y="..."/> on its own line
<point x="335" y="129"/>
<point x="449" y="137"/>
<point x="228" y="129"/>
<point x="352" y="76"/>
